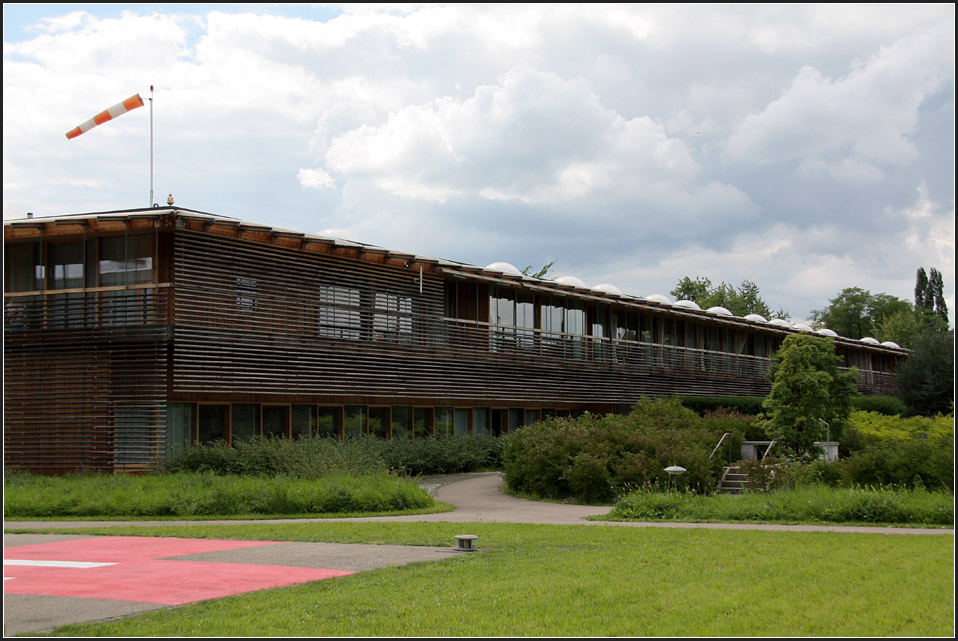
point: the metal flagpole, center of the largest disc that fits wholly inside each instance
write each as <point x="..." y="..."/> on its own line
<point x="151" y="145"/>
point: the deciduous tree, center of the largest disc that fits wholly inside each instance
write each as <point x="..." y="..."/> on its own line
<point x="741" y="301"/>
<point x="806" y="388"/>
<point x="855" y="312"/>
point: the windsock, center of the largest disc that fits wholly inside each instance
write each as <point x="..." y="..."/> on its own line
<point x="119" y="109"/>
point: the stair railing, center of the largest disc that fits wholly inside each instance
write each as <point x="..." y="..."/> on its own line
<point x="767" y="451"/>
<point x="719" y="445"/>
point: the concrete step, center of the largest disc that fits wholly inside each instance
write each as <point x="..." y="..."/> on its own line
<point x="733" y="481"/>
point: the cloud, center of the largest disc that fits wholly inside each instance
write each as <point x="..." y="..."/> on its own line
<point x="856" y="127"/>
<point x="315" y="179"/>
<point x="806" y="147"/>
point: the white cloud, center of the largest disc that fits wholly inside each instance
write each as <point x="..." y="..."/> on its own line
<point x="854" y="127"/>
<point x="315" y="179"/>
<point x="636" y="143"/>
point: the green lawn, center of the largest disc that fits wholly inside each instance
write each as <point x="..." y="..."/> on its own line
<point x="538" y="580"/>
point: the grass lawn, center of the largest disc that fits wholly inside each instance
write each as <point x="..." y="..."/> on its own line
<point x="538" y="580"/>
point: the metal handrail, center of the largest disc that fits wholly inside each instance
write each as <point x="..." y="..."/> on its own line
<point x="769" y="449"/>
<point x="719" y="445"/>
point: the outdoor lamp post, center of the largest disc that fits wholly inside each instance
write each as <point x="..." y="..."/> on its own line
<point x="673" y="471"/>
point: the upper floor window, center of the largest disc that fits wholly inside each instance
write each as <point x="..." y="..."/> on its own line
<point x="23" y="269"/>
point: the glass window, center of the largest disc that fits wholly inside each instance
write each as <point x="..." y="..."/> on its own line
<point x="532" y="416"/>
<point x="502" y="310"/>
<point x="354" y="423"/>
<point x="339" y="312"/>
<point x="211" y="423"/>
<point x="526" y="319"/>
<point x="328" y="422"/>
<point x="22" y="268"/>
<point x="401" y="422"/>
<point x="575" y="318"/>
<point x="126" y="260"/>
<point x="245" y="421"/>
<point x="422" y="421"/>
<point x="461" y="418"/>
<point x="552" y="315"/>
<point x="515" y="419"/>
<point x="179" y="425"/>
<point x="480" y="420"/>
<point x="66" y="266"/>
<point x="379" y="421"/>
<point x="275" y="420"/>
<point x="444" y="421"/>
<point x="303" y="421"/>
<point x="394" y="323"/>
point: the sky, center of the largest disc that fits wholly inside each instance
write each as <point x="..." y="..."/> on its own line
<point x="807" y="148"/>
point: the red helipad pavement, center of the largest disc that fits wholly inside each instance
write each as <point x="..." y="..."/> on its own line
<point x="143" y="570"/>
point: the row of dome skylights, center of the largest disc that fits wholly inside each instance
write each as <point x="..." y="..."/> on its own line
<point x="606" y="288"/>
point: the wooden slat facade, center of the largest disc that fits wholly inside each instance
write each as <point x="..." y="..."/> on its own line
<point x="236" y="316"/>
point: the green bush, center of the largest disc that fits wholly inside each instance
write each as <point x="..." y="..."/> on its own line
<point x="442" y="454"/>
<point x="595" y="459"/>
<point x="888" y="405"/>
<point x="322" y="457"/>
<point x="914" y="462"/>
<point x="702" y="405"/>
<point x="879" y="427"/>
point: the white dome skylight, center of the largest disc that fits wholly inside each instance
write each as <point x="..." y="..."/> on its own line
<point x="688" y="304"/>
<point x="719" y="311"/>
<point x="869" y="340"/>
<point x="826" y="332"/>
<point x="608" y="289"/>
<point x="756" y="318"/>
<point x="505" y="268"/>
<point x="571" y="280"/>
<point x="778" y="322"/>
<point x="341" y="234"/>
<point x="891" y="344"/>
<point x="802" y="327"/>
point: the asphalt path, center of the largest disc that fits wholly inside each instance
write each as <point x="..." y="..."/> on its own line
<point x="477" y="499"/>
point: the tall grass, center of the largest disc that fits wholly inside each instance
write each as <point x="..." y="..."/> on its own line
<point x="189" y="494"/>
<point x="808" y="504"/>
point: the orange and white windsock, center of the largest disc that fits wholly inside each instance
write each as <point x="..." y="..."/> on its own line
<point x="119" y="109"/>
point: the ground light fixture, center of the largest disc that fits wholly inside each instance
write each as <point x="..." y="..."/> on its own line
<point x="673" y="471"/>
<point x="466" y="542"/>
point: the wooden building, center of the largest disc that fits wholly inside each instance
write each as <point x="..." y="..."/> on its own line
<point x="128" y="333"/>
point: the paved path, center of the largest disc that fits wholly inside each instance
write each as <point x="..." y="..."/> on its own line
<point x="477" y="497"/>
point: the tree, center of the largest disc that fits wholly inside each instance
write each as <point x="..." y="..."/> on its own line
<point x="806" y="388"/>
<point x="930" y="298"/>
<point x="902" y="328"/>
<point x="926" y="383"/>
<point x="855" y="312"/>
<point x="922" y="301"/>
<point x="540" y="273"/>
<point x="742" y="301"/>
<point x="938" y="294"/>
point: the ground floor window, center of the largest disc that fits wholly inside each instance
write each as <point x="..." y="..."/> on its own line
<point x="235" y="422"/>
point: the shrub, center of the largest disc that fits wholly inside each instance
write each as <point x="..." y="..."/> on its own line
<point x="594" y="459"/>
<point x="702" y="405"/>
<point x="322" y="457"/>
<point x="913" y="462"/>
<point x="888" y="405"/>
